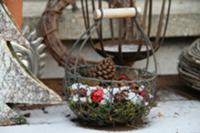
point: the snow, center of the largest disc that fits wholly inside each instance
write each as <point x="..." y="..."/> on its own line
<point x="169" y="116"/>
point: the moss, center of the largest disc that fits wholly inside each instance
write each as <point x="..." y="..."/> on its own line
<point x="109" y="114"/>
<point x="19" y="120"/>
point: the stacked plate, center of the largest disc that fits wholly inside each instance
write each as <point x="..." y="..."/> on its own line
<point x="189" y="65"/>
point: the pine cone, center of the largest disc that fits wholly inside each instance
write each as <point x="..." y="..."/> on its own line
<point x="103" y="70"/>
<point x="73" y="92"/>
<point x="121" y="97"/>
<point x="82" y="92"/>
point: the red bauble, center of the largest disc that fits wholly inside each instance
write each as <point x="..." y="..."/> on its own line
<point x="122" y="77"/>
<point x="97" y="96"/>
<point x="142" y="93"/>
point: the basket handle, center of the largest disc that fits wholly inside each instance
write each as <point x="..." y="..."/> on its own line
<point x="116" y="13"/>
<point x="148" y="44"/>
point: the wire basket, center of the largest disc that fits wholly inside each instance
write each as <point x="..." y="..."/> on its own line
<point x="110" y="102"/>
<point x="125" y="97"/>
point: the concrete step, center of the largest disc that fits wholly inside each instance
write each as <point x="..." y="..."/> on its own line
<point x="184" y="20"/>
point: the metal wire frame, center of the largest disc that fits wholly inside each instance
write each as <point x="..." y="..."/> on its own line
<point x="73" y="75"/>
<point x="87" y="36"/>
<point x="125" y="34"/>
<point x="72" y="71"/>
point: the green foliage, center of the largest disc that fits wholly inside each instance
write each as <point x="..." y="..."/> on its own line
<point x="109" y="114"/>
<point x="19" y="120"/>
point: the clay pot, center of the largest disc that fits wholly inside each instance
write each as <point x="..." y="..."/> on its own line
<point x="15" y="7"/>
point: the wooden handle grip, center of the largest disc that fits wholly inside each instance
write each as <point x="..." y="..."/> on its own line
<point x="115" y="13"/>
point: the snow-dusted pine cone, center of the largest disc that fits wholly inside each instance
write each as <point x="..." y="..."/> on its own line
<point x="121" y="97"/>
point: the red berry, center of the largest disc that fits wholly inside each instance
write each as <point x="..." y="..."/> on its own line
<point x="97" y="96"/>
<point x="142" y="93"/>
<point x="122" y="77"/>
